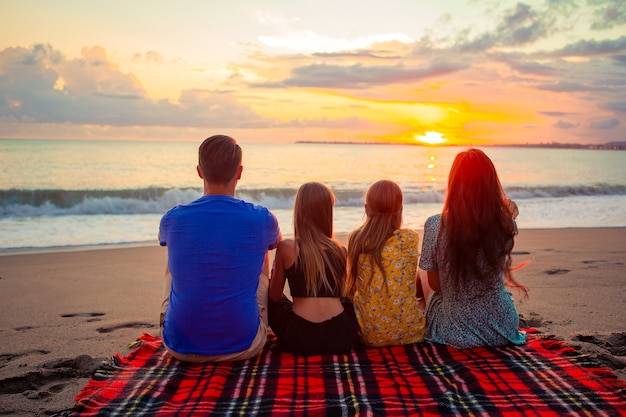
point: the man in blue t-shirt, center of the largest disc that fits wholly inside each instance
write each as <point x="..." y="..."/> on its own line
<point x="216" y="289"/>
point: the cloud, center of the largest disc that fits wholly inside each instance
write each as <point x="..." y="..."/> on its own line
<point x="526" y="65"/>
<point x="619" y="59"/>
<point x="520" y="25"/>
<point x="605" y="124"/>
<point x="553" y="113"/>
<point x="594" y="77"/>
<point x="569" y="87"/>
<point x="39" y="85"/>
<point x="290" y="34"/>
<point x="153" y="57"/>
<point x="609" y="14"/>
<point x="523" y="25"/>
<point x="565" y="125"/>
<point x="362" y="76"/>
<point x="308" y="40"/>
<point x="347" y="123"/>
<point x="360" y="53"/>
<point x="616" y="106"/>
<point x="590" y="47"/>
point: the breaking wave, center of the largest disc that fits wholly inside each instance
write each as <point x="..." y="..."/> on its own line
<point x="40" y="203"/>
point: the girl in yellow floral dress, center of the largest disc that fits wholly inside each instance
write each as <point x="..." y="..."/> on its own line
<point x="382" y="279"/>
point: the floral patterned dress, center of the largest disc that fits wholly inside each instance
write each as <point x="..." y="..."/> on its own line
<point x="387" y="309"/>
<point x="477" y="314"/>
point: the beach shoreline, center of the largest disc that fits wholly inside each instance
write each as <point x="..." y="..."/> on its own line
<point x="64" y="311"/>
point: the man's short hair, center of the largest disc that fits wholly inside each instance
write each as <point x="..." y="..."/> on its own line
<point x="219" y="158"/>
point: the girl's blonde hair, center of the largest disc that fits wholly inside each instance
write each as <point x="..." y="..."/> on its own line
<point x="383" y="207"/>
<point x="313" y="230"/>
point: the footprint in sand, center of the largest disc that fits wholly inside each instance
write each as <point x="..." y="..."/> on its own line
<point x="40" y="383"/>
<point x="591" y="263"/>
<point x="615" y="343"/>
<point x="8" y="357"/>
<point x="36" y="395"/>
<point x="131" y="325"/>
<point x="534" y="320"/>
<point x="91" y="316"/>
<point x="82" y="315"/>
<point x="56" y="388"/>
<point x="613" y="348"/>
<point x="556" y="271"/>
<point x="23" y="328"/>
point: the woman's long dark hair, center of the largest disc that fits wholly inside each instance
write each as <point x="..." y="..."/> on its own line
<point x="477" y="230"/>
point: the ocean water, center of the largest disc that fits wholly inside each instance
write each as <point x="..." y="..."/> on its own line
<point x="56" y="193"/>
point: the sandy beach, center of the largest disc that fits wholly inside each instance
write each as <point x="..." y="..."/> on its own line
<point x="63" y="312"/>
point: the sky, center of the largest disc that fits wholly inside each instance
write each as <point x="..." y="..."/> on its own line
<point x="459" y="72"/>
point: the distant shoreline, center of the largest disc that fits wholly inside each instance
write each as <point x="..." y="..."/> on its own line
<point x="612" y="146"/>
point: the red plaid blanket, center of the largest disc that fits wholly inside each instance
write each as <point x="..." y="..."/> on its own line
<point x="425" y="379"/>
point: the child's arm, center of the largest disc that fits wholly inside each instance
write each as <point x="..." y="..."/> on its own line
<point x="433" y="280"/>
<point x="277" y="281"/>
<point x="419" y="290"/>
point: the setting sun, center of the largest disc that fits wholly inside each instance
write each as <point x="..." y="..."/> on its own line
<point x="431" y="138"/>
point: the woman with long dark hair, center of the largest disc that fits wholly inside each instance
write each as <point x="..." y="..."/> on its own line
<point x="466" y="260"/>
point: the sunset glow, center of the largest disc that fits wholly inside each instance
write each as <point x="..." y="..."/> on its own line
<point x="443" y="73"/>
<point x="431" y="138"/>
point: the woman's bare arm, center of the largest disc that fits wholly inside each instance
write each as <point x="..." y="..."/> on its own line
<point x="433" y="280"/>
<point x="284" y="256"/>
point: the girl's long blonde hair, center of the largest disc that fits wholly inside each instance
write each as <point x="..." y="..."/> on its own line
<point x="383" y="207"/>
<point x="313" y="230"/>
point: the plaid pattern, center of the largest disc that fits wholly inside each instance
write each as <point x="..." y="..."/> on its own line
<point x="422" y="379"/>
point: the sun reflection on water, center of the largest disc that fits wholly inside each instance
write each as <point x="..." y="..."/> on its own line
<point x="432" y="165"/>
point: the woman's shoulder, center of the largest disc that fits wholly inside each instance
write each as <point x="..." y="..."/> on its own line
<point x="287" y="244"/>
<point x="286" y="248"/>
<point x="433" y="221"/>
<point x="434" y="218"/>
<point x="286" y="253"/>
<point x="403" y="242"/>
<point x="405" y="234"/>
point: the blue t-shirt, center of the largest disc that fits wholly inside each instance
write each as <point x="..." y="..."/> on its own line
<point x="216" y="248"/>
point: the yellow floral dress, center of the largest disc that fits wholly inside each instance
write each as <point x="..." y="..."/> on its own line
<point x="388" y="310"/>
